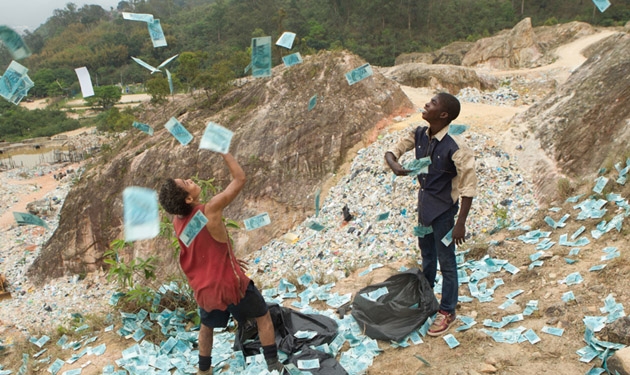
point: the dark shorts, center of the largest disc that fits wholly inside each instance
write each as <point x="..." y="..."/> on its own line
<point x="253" y="305"/>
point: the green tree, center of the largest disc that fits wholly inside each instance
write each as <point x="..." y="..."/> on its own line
<point x="189" y="66"/>
<point x="158" y="89"/>
<point x="104" y="96"/>
<point x="114" y="120"/>
<point x="216" y="82"/>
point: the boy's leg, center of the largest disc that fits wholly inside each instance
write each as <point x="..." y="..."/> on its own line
<point x="448" y="267"/>
<point x="205" y="350"/>
<point x="446" y="257"/>
<point x="253" y="305"/>
<point x="429" y="257"/>
<point x="267" y="335"/>
<point x="209" y="320"/>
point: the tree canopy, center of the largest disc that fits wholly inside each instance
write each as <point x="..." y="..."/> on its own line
<point x="207" y="33"/>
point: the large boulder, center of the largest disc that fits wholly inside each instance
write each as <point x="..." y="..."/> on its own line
<point x="516" y="48"/>
<point x="286" y="151"/>
<point x="440" y="77"/>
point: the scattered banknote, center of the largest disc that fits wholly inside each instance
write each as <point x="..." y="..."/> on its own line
<point x="10" y="81"/>
<point x="257" y="221"/>
<point x="315" y="226"/>
<point x="600" y="183"/>
<point x="568" y="296"/>
<point x="448" y="238"/>
<point x="194" y="226"/>
<point x="13" y="41"/>
<point x="451" y="341"/>
<point x="261" y="57"/>
<point x="553" y="330"/>
<point x="216" y="138"/>
<point x="308" y="364"/>
<point x="286" y="40"/>
<point x="359" y="74"/>
<point x="85" y="81"/>
<point x="23" y="218"/>
<point x="140" y="213"/>
<point x="421" y="231"/>
<point x="15" y="83"/>
<point x="144" y="17"/>
<point x="292" y="59"/>
<point x="418" y="166"/>
<point x="145" y="65"/>
<point x="143" y="127"/>
<point x="312" y="102"/>
<point x="24" y="85"/>
<point x="457" y="129"/>
<point x="56" y="366"/>
<point x="531" y="336"/>
<point x="151" y="68"/>
<point x="157" y="35"/>
<point x="170" y="80"/>
<point x="382" y="216"/>
<point x="317" y="197"/>
<point x="179" y="131"/>
<point x="602" y="5"/>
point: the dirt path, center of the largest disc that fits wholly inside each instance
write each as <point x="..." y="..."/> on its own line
<point x="569" y="58"/>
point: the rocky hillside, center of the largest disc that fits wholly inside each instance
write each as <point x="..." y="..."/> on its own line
<point x="286" y="151"/>
<point x="585" y="124"/>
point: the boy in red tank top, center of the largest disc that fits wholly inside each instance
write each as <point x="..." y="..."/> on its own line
<point x="217" y="278"/>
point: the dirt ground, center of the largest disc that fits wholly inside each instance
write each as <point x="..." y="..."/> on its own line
<point x="478" y="352"/>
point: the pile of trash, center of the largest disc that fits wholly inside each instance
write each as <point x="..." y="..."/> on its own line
<point x="381" y="214"/>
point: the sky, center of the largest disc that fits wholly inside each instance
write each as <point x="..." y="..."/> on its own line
<point x="30" y="14"/>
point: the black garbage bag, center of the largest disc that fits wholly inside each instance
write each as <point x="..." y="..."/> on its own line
<point x="406" y="306"/>
<point x="286" y="323"/>
<point x="328" y="365"/>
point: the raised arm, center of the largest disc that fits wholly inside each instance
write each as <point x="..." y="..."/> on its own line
<point x="214" y="208"/>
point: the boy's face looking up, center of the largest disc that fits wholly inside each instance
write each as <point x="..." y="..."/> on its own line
<point x="190" y="187"/>
<point x="433" y="110"/>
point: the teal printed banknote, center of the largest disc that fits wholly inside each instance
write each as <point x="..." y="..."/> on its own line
<point x="359" y="74"/>
<point x="216" y="138"/>
<point x="178" y="131"/>
<point x="140" y="213"/>
<point x="257" y="221"/>
<point x="14" y="43"/>
<point x="194" y="226"/>
<point x="143" y="127"/>
<point x="23" y="218"/>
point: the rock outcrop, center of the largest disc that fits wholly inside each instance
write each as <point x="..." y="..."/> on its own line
<point x="440" y="77"/>
<point x="586" y="123"/>
<point x="451" y="54"/>
<point x="516" y="48"/>
<point x="285" y="150"/>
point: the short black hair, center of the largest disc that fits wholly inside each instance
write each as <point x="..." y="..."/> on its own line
<point x="450" y="105"/>
<point x="173" y="198"/>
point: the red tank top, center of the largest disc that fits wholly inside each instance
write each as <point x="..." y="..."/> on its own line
<point x="211" y="268"/>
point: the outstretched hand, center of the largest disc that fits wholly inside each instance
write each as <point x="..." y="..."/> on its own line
<point x="395" y="165"/>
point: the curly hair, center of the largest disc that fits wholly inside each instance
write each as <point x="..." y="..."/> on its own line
<point x="450" y="104"/>
<point x="173" y="198"/>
